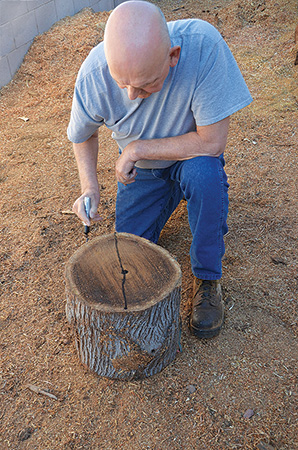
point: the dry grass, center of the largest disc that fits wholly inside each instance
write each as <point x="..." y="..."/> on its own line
<point x="199" y="401"/>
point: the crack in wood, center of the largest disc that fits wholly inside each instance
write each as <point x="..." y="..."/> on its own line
<point x="123" y="271"/>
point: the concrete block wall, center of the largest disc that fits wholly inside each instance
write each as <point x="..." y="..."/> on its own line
<point x="22" y="20"/>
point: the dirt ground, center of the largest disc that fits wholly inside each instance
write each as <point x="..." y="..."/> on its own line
<point x="237" y="391"/>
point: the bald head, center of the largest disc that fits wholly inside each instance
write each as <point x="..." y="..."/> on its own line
<point x="137" y="44"/>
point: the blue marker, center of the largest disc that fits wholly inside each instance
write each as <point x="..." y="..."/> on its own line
<point x="87" y="206"/>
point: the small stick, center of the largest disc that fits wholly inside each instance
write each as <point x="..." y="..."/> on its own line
<point x="67" y="211"/>
<point x="38" y="390"/>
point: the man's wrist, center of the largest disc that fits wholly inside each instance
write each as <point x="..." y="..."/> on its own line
<point x="135" y="150"/>
<point x="89" y="187"/>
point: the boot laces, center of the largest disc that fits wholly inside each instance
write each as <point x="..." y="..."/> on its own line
<point x="206" y="293"/>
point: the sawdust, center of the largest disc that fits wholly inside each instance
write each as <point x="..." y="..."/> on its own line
<point x="252" y="365"/>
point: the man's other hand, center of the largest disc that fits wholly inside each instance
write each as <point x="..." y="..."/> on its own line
<point x="125" y="170"/>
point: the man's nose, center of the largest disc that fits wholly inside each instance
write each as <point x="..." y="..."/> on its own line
<point x="132" y="92"/>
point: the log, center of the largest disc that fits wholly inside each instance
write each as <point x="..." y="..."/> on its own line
<point x="123" y="302"/>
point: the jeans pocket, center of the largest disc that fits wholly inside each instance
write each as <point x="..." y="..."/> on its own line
<point x="160" y="174"/>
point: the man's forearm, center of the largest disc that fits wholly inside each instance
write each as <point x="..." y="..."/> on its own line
<point x="207" y="141"/>
<point x="86" y="158"/>
<point x="176" y="148"/>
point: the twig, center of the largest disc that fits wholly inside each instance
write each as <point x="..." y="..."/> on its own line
<point x="67" y="211"/>
<point x="38" y="390"/>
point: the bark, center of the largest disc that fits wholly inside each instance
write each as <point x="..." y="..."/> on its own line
<point x="123" y="301"/>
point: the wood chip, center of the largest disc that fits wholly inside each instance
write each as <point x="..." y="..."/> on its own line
<point x="191" y="388"/>
<point x="263" y="446"/>
<point x="277" y="260"/>
<point x="67" y="211"/>
<point x="248" y="413"/>
<point x="25" y="434"/>
<point x="39" y="390"/>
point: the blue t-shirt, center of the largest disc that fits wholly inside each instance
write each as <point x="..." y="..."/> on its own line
<point x="203" y="88"/>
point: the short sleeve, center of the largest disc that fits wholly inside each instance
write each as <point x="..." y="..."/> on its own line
<point x="220" y="89"/>
<point x="84" y="121"/>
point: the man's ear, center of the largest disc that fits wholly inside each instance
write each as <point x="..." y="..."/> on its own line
<point x="174" y="55"/>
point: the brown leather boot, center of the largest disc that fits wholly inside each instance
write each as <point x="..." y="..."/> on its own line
<point x="207" y="309"/>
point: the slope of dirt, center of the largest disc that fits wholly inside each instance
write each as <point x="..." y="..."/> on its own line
<point x="201" y="400"/>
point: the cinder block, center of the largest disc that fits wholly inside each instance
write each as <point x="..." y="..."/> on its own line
<point x="45" y="16"/>
<point x="5" y="75"/>
<point x="33" y="4"/>
<point x="24" y="28"/>
<point x="7" y="43"/>
<point x="11" y="9"/>
<point x="103" y="5"/>
<point x="16" y="57"/>
<point x="64" y="8"/>
<point x="80" y="4"/>
<point x="117" y="2"/>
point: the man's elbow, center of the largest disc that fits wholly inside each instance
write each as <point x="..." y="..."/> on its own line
<point x="219" y="153"/>
<point x="217" y="150"/>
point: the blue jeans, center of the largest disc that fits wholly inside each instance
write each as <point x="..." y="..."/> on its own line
<point x="143" y="208"/>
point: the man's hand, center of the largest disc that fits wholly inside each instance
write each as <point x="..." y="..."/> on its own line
<point x="79" y="209"/>
<point x="86" y="157"/>
<point x="125" y="170"/>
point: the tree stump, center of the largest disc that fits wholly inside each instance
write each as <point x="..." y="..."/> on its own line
<point x="123" y="301"/>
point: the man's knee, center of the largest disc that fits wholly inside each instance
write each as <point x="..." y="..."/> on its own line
<point x="202" y="172"/>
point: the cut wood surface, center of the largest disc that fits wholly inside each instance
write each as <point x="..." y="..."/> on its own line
<point x="123" y="300"/>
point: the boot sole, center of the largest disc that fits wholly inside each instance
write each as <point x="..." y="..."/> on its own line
<point x="204" y="334"/>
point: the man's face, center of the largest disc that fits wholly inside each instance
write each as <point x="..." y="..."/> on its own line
<point x="142" y="85"/>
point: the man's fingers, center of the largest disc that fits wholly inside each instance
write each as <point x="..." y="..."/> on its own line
<point x="79" y="210"/>
<point x="126" y="181"/>
<point x="95" y="216"/>
<point x="127" y="178"/>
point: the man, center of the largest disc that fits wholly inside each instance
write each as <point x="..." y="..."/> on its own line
<point x="166" y="91"/>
